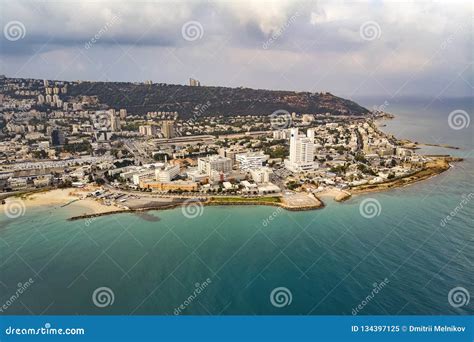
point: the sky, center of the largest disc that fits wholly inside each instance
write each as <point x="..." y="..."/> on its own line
<point x="349" y="48"/>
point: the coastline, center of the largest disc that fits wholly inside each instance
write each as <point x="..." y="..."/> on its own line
<point x="62" y="198"/>
<point x="213" y="201"/>
<point x="433" y="168"/>
<point x="96" y="208"/>
<point x="298" y="201"/>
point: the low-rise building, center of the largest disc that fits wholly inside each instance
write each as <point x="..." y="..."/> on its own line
<point x="169" y="186"/>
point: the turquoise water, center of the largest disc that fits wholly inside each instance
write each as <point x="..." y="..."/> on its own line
<point x="328" y="259"/>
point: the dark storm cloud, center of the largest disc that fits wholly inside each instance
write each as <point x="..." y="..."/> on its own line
<point x="302" y="45"/>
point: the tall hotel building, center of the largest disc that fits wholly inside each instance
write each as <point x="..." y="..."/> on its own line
<point x="301" y="152"/>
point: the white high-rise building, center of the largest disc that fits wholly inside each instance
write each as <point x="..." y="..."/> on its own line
<point x="301" y="152"/>
<point x="114" y="121"/>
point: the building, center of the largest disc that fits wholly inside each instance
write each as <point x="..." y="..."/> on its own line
<point x="167" y="128"/>
<point x="57" y="137"/>
<point x="18" y="183"/>
<point x="102" y="135"/>
<point x="115" y="124"/>
<point x="194" y="83"/>
<point x="167" y="174"/>
<point x="42" y="181"/>
<point x="301" y="152"/>
<point x="137" y="178"/>
<point x="114" y="121"/>
<point x="123" y="114"/>
<point x="251" y="160"/>
<point x="149" y="130"/>
<point x="232" y="151"/>
<point x="261" y="175"/>
<point x="281" y="134"/>
<point x="170" y="186"/>
<point x="214" y="163"/>
<point x="308" y="118"/>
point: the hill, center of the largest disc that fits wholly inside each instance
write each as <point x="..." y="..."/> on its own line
<point x="139" y="98"/>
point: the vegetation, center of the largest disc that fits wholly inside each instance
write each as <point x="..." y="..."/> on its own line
<point x="142" y="98"/>
<point x="246" y="199"/>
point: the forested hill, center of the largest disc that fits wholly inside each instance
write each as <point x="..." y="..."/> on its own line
<point x="186" y="100"/>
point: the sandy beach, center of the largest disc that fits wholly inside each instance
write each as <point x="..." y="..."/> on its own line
<point x="64" y="197"/>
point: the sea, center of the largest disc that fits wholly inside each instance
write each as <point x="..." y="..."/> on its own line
<point x="407" y="251"/>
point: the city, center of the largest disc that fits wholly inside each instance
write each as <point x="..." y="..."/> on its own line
<point x="53" y="140"/>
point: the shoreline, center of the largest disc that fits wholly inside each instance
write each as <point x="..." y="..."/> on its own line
<point x="77" y="198"/>
<point x="209" y="202"/>
<point x="436" y="167"/>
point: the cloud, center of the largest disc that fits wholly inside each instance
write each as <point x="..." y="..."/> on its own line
<point x="269" y="44"/>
